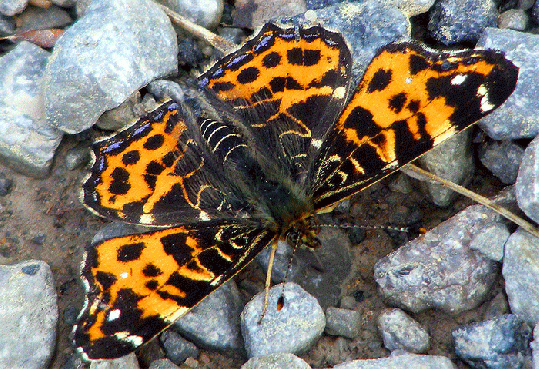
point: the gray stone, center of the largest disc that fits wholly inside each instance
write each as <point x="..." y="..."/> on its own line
<point x="276" y="361"/>
<point x="125" y="362"/>
<point x="342" y="322"/>
<point x="205" y="13"/>
<point x="12" y="7"/>
<point x="122" y="116"/>
<point x="294" y="328"/>
<point x="7" y="25"/>
<point x="454" y="21"/>
<point x="453" y="161"/>
<point x="517" y="117"/>
<point x="496" y="307"/>
<point x="491" y="241"/>
<point x="366" y="26"/>
<point x="400" y="332"/>
<point x="163" y="89"/>
<point x="254" y="13"/>
<point x="534" y="345"/>
<point x="438" y="269"/>
<point x="43" y="18"/>
<point x="516" y="19"/>
<point x="400" y="362"/>
<point x="413" y="7"/>
<point x="502" y="158"/>
<point x="521" y="273"/>
<point x="214" y="323"/>
<point x="64" y="3"/>
<point x="27" y="143"/>
<point x="28" y="315"/>
<point x="498" y="343"/>
<point x="176" y="347"/>
<point x="527" y="183"/>
<point x="117" y="47"/>
<point x="77" y="156"/>
<point x="163" y="364"/>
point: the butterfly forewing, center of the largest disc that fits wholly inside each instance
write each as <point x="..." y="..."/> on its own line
<point x="408" y="101"/>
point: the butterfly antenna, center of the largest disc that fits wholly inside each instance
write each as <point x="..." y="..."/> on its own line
<point x="355" y="226"/>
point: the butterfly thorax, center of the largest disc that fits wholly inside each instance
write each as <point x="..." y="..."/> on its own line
<point x="303" y="233"/>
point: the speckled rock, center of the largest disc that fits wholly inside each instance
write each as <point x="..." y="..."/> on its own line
<point x="125" y="362"/>
<point x="527" y="183"/>
<point x="43" y="18"/>
<point x="453" y="21"/>
<point x="176" y="347"/>
<point x="521" y="273"/>
<point x="12" y="7"/>
<point x="499" y="343"/>
<point x="117" y="47"/>
<point x="205" y="13"/>
<point x="400" y="332"/>
<point x="276" y="361"/>
<point x="517" y="117"/>
<point x="27" y="143"/>
<point x="294" y="328"/>
<point x="503" y="159"/>
<point x="28" y="315"/>
<point x="516" y="19"/>
<point x="438" y="269"/>
<point x="215" y="322"/>
<point x="400" y="362"/>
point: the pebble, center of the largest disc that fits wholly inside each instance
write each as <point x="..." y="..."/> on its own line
<point x="294" y="328"/>
<point x="117" y="47"/>
<point x="122" y="116"/>
<point x="125" y="362"/>
<point x="517" y="118"/>
<point x="42" y="18"/>
<point x="438" y="269"/>
<point x="534" y="345"/>
<point x="503" y="159"/>
<point x="521" y="273"/>
<point x="214" y="323"/>
<point x="12" y="7"/>
<point x="276" y="361"/>
<point x="342" y="322"/>
<point x="176" y="347"/>
<point x="454" y="21"/>
<point x="413" y="7"/>
<point x="205" y="13"/>
<point x="516" y="19"/>
<point x="254" y="13"/>
<point x="400" y="332"/>
<point x="527" y="183"/>
<point x="7" y="25"/>
<point x="399" y="362"/>
<point x="502" y="342"/>
<point x="28" y="315"/>
<point x="163" y="364"/>
<point x="27" y="143"/>
<point x="6" y="185"/>
<point x="452" y="161"/>
<point x="77" y="156"/>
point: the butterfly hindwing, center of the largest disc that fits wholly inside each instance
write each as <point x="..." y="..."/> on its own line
<point x="408" y="101"/>
<point x="140" y="284"/>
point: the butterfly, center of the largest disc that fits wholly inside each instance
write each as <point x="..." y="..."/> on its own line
<point x="276" y="136"/>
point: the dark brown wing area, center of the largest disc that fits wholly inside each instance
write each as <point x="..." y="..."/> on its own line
<point x="140" y="284"/>
<point x="408" y="101"/>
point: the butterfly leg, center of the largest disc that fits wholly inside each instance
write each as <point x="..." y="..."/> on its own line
<point x="268" y="281"/>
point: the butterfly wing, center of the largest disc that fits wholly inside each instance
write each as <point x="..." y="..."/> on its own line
<point x="287" y="84"/>
<point x="156" y="172"/>
<point x="408" y="101"/>
<point x="138" y="285"/>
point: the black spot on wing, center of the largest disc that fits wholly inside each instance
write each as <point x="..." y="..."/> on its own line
<point x="396" y="103"/>
<point x="119" y="184"/>
<point x="154" y="142"/>
<point x="130" y="252"/>
<point x="380" y="80"/>
<point x="248" y="75"/>
<point x="271" y="60"/>
<point x="417" y="64"/>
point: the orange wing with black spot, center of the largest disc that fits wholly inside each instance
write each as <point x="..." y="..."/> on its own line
<point x="408" y="101"/>
<point x="140" y="284"/>
<point x="287" y="85"/>
<point x="158" y="172"/>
